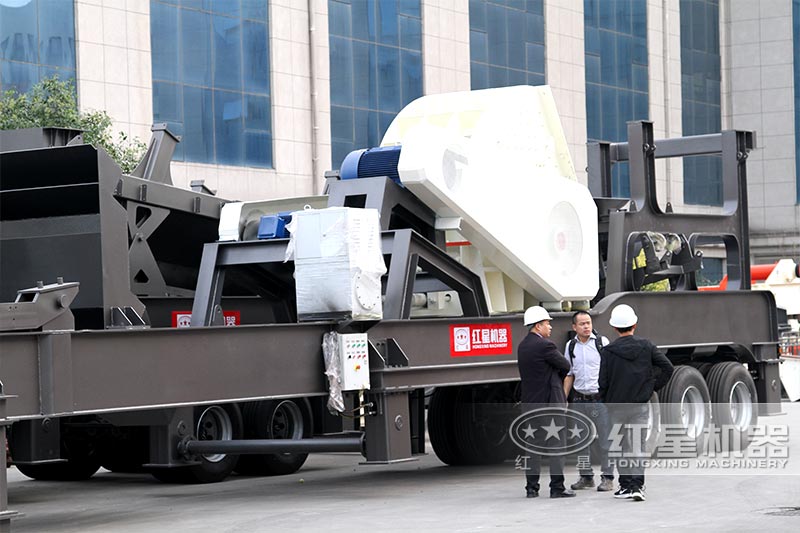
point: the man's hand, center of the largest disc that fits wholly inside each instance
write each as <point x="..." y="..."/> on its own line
<point x="568" y="385"/>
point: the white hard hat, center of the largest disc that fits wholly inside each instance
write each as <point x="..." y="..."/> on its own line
<point x="535" y="314"/>
<point x="623" y="316"/>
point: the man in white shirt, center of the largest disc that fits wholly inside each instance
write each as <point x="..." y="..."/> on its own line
<point x="583" y="353"/>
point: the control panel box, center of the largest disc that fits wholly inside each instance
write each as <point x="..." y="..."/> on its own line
<point x="354" y="357"/>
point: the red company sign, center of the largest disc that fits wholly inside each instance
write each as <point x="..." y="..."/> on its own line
<point x="480" y="339"/>
<point x="183" y="319"/>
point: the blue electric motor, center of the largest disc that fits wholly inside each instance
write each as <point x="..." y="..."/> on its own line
<point x="274" y="226"/>
<point x="380" y="161"/>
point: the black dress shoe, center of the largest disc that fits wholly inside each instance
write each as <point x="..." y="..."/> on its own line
<point x="531" y="493"/>
<point x="566" y="493"/>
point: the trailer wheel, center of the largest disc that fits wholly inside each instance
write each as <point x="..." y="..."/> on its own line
<point x="465" y="428"/>
<point x="734" y="407"/>
<point x="482" y="423"/>
<point x="81" y="463"/>
<point x="125" y="451"/>
<point x="653" y="434"/>
<point x="213" y="422"/>
<point x="276" y="419"/>
<point x="685" y="404"/>
<point x="441" y="412"/>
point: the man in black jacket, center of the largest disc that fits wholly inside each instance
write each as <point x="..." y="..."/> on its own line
<point x="631" y="369"/>
<point x="542" y="369"/>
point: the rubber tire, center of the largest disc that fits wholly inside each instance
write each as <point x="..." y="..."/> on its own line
<point x="721" y="380"/>
<point x="441" y="430"/>
<point x="206" y="471"/>
<point x="277" y="464"/>
<point x="80" y="464"/>
<point x="479" y="443"/>
<point x="654" y="438"/>
<point x="128" y="453"/>
<point x="703" y="367"/>
<point x="670" y="396"/>
<point x="455" y="438"/>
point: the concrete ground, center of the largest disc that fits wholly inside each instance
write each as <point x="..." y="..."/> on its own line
<point x="334" y="492"/>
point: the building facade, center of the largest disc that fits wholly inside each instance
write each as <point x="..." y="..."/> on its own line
<point x="269" y="94"/>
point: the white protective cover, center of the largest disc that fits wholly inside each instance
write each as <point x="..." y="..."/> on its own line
<point x="338" y="263"/>
<point x="498" y="160"/>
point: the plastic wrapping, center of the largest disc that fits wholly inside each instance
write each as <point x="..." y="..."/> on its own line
<point x="330" y="352"/>
<point x="338" y="263"/>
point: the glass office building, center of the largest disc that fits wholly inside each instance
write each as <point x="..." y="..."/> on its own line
<point x="268" y="95"/>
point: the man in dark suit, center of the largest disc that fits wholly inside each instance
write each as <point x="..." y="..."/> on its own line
<point x="542" y="369"/>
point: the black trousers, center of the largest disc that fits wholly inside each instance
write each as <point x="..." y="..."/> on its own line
<point x="556" y="462"/>
<point x="630" y="420"/>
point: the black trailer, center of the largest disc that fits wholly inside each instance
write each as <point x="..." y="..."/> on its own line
<point x="94" y="375"/>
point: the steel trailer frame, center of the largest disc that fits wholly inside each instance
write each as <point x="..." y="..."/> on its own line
<point x="153" y="376"/>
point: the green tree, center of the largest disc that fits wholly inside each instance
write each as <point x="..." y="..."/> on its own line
<point x="52" y="103"/>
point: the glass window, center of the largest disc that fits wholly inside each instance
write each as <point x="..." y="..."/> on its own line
<point x="506" y="43"/>
<point x="37" y="40"/>
<point x="375" y="66"/>
<point x="615" y="49"/>
<point x="211" y="79"/>
<point x="700" y="95"/>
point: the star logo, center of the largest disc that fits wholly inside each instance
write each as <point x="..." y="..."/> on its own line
<point x="528" y="431"/>
<point x="575" y="433"/>
<point x="552" y="430"/>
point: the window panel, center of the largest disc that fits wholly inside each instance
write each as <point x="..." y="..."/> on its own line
<point x="478" y="46"/>
<point x="167" y="102"/>
<point x="616" y="73"/>
<point x="477" y="15"/>
<point x="228" y="126"/>
<point x="257" y="149"/>
<point x="57" y="34"/>
<point x="225" y="7"/>
<point x="411" y="77"/>
<point x="389" y="79"/>
<point x="364" y="75"/>
<point x="199" y="123"/>
<point x="257" y="113"/>
<point x="196" y="33"/>
<point x="410" y="33"/>
<point x="255" y="10"/>
<point x="339" y="15"/>
<point x="211" y="79"/>
<point x="341" y="71"/>
<point x="409" y="7"/>
<point x="515" y="34"/>
<point x="700" y="90"/>
<point x="479" y="76"/>
<point x="387" y="23"/>
<point x="255" y="57"/>
<point x="164" y="41"/>
<point x="37" y="40"/>
<point x="506" y="43"/>
<point x="227" y="53"/>
<point x="534" y="6"/>
<point x="342" y="123"/>
<point x="376" y="69"/>
<point x="18" y="33"/>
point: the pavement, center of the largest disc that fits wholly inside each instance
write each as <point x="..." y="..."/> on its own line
<point x="334" y="492"/>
